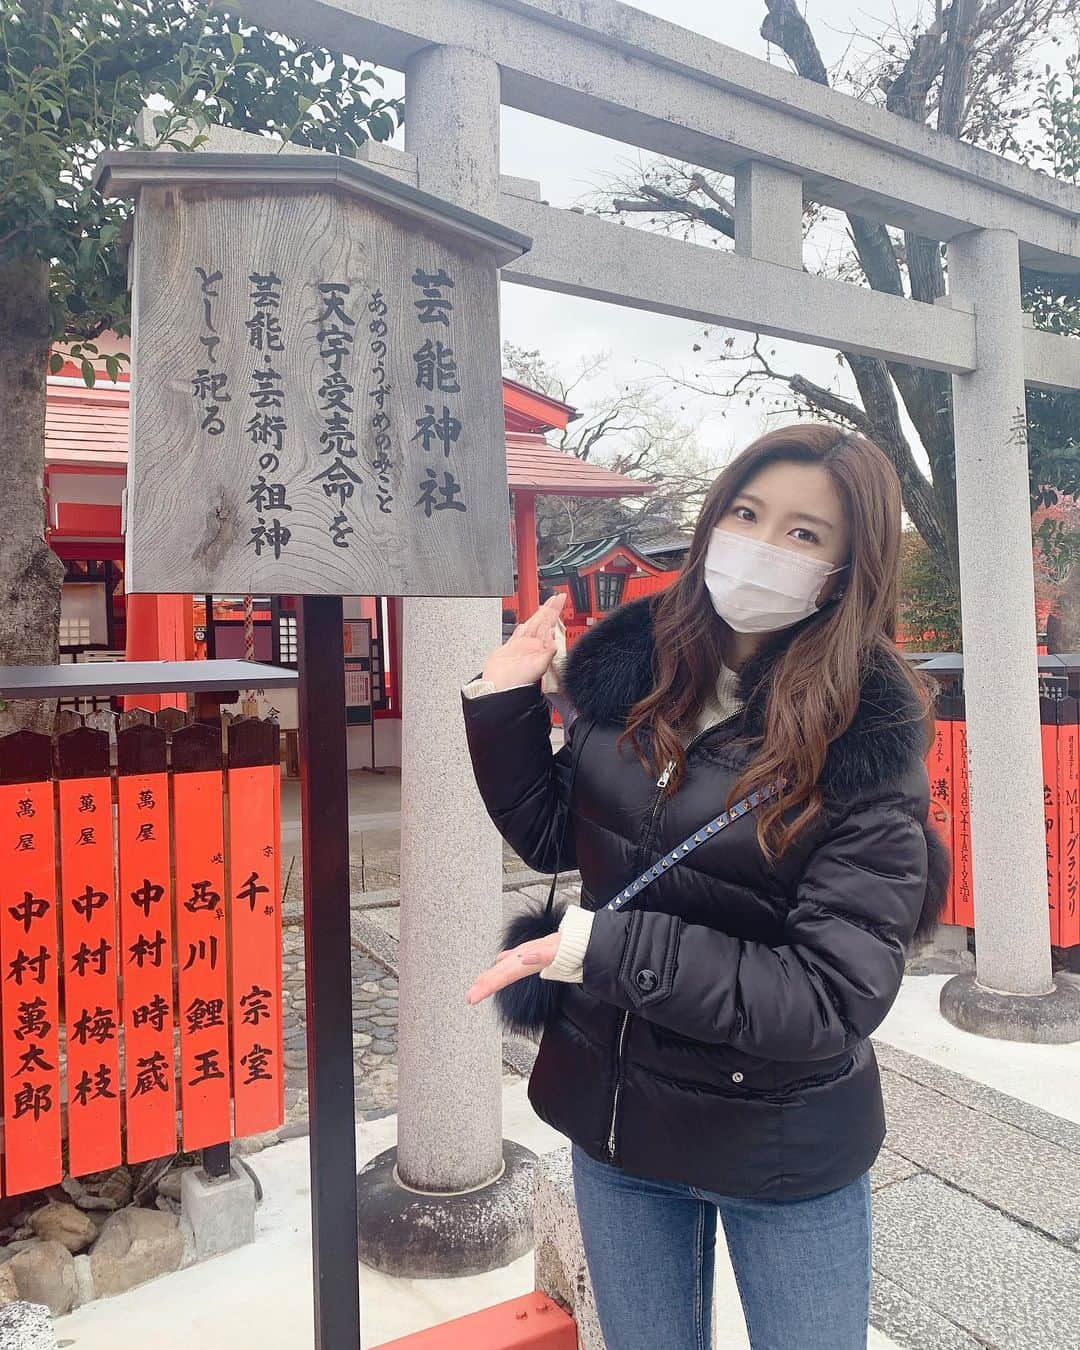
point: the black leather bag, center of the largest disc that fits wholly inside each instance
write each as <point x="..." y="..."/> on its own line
<point x="524" y="1006"/>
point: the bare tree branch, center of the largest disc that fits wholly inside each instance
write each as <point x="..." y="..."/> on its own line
<point x="960" y="31"/>
<point x="656" y="199"/>
<point x="909" y="92"/>
<point x="699" y="181"/>
<point x="877" y="393"/>
<point x="964" y="73"/>
<point x="786" y="28"/>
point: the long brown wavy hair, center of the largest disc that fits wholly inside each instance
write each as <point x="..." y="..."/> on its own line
<point x="817" y="666"/>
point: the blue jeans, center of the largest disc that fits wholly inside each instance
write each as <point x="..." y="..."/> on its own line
<point x="802" y="1266"/>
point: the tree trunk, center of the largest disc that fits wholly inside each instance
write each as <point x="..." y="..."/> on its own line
<point x="30" y="573"/>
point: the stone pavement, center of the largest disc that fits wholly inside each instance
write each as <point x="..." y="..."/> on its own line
<point x="976" y="1215"/>
<point x="374" y="1033"/>
<point x="976" y="1199"/>
<point x="976" y="1194"/>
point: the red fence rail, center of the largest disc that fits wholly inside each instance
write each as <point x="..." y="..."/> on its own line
<point x="951" y="810"/>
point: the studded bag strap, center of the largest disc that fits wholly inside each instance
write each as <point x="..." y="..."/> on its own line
<point x="680" y="851"/>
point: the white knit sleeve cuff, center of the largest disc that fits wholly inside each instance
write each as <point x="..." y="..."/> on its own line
<point x="479" y="686"/>
<point x="574" y="933"/>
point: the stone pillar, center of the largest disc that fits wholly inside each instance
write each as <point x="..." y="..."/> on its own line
<point x="768" y="213"/>
<point x="1011" y="995"/>
<point x="454" y="1197"/>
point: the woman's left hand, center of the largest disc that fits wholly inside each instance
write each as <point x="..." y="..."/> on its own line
<point x="513" y="964"/>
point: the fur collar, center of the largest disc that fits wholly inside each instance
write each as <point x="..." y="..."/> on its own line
<point x="609" y="669"/>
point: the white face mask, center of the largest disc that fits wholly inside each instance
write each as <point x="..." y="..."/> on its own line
<point x="760" y="588"/>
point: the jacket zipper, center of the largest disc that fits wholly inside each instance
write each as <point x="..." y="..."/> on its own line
<point x="661" y="784"/>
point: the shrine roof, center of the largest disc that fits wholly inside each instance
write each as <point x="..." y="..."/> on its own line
<point x="88" y="427"/>
<point x="533" y="465"/>
<point x="527" y="409"/>
<point x="589" y="551"/>
<point x="83" y="425"/>
<point x="668" y="543"/>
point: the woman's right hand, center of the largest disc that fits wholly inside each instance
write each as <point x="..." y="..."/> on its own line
<point x="527" y="652"/>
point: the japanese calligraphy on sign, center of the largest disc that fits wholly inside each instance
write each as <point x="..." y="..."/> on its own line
<point x="317" y="398"/>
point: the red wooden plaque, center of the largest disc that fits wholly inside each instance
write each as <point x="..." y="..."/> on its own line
<point x="1049" y="732"/>
<point x="939" y="768"/>
<point x="964" y="897"/>
<point x="146" y="941"/>
<point x="91" y="1000"/>
<point x="200" y="926"/>
<point x="1069" y="795"/>
<point x="30" y="1008"/>
<point x="255" y="904"/>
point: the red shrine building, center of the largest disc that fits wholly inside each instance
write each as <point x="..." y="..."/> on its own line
<point x="86" y="443"/>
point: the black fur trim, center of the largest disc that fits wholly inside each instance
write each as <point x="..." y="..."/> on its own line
<point x="609" y="669"/>
<point x="524" y="1006"/>
<point x="938" y="874"/>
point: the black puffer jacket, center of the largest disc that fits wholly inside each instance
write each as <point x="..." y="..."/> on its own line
<point x="740" y="1063"/>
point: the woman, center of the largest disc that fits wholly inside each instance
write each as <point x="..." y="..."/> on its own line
<point x="710" y="1050"/>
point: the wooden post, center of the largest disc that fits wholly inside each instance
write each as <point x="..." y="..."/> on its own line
<point x="324" y="808"/>
<point x="528" y="586"/>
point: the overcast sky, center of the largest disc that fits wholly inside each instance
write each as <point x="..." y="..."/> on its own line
<point x="569" y="164"/>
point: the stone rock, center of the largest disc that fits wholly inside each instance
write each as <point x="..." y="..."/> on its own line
<point x="19" y="1245"/>
<point x="169" y="1184"/>
<point x="45" y="1273"/>
<point x="26" y="1326"/>
<point x="254" y="1143"/>
<point x="103" y="1190"/>
<point x="9" y="1289"/>
<point x="13" y="1211"/>
<point x="65" y="1224"/>
<point x="85" y="1280"/>
<point x="135" y="1245"/>
<point x="187" y="1233"/>
<point x="72" y="1186"/>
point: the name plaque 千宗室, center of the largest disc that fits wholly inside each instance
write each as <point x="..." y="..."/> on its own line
<point x="316" y="381"/>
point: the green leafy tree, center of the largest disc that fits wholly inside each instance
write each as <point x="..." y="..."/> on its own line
<point x="1054" y="419"/>
<point x="74" y="77"/>
<point x="929" y="602"/>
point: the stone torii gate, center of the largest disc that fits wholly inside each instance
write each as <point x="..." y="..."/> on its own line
<point x="604" y="67"/>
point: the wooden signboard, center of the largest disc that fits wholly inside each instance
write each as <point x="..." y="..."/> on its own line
<point x="317" y="404"/>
